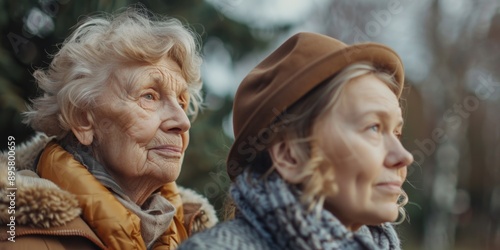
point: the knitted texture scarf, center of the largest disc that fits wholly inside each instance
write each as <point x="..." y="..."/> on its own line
<point x="272" y="207"/>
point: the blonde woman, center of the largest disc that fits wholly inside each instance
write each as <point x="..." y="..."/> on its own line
<point x="115" y="109"/>
<point x="317" y="162"/>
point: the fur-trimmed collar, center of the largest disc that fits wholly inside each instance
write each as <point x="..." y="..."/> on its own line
<point x="40" y="203"/>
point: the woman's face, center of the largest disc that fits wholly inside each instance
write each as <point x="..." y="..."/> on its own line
<point x="141" y="126"/>
<point x="360" y="140"/>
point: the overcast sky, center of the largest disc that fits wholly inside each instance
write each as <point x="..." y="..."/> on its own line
<point x="219" y="73"/>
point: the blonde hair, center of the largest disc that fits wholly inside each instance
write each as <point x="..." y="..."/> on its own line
<point x="99" y="46"/>
<point x="298" y="131"/>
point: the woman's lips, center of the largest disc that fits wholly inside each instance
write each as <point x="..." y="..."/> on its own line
<point x="392" y="187"/>
<point x="168" y="150"/>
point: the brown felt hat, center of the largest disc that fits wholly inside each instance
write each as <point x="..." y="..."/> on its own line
<point x="299" y="65"/>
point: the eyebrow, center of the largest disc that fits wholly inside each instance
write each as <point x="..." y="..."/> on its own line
<point x="381" y="113"/>
<point x="161" y="78"/>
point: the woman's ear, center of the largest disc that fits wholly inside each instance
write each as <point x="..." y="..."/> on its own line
<point x="286" y="162"/>
<point x="84" y="131"/>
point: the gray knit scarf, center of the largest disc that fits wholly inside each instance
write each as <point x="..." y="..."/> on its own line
<point x="272" y="207"/>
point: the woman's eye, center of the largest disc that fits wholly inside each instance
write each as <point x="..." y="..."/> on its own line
<point x="182" y="105"/>
<point x="149" y="96"/>
<point x="375" y="128"/>
<point x="398" y="134"/>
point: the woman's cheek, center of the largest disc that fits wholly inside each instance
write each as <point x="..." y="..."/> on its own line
<point x="144" y="131"/>
<point x="185" y="141"/>
<point x="403" y="173"/>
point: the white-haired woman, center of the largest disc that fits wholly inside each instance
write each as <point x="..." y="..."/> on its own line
<point x="317" y="162"/>
<point x="116" y="102"/>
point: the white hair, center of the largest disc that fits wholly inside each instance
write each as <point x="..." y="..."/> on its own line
<point x="98" y="47"/>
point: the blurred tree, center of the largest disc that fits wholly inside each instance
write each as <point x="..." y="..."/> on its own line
<point x="451" y="54"/>
<point x="450" y="50"/>
<point x="30" y="31"/>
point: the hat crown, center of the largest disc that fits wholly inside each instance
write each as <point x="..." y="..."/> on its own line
<point x="293" y="55"/>
<point x="299" y="49"/>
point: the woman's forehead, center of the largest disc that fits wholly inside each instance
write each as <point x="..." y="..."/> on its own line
<point x="164" y="74"/>
<point x="363" y="97"/>
<point x="369" y="92"/>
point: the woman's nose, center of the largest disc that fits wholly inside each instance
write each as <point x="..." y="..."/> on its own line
<point x="174" y="119"/>
<point x="398" y="156"/>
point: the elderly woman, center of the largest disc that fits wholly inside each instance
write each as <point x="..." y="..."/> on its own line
<point x="317" y="162"/>
<point x="116" y="104"/>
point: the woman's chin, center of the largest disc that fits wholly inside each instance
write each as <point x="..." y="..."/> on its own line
<point x="386" y="214"/>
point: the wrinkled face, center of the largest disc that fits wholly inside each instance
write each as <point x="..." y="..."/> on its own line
<point x="141" y="125"/>
<point x="360" y="140"/>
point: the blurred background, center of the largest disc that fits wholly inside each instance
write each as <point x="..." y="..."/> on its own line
<point x="451" y="51"/>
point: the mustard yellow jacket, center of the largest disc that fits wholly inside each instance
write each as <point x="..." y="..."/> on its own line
<point x="81" y="212"/>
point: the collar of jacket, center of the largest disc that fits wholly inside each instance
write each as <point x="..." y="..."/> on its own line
<point x="117" y="227"/>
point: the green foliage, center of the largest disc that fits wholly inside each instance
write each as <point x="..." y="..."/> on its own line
<point x="21" y="52"/>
